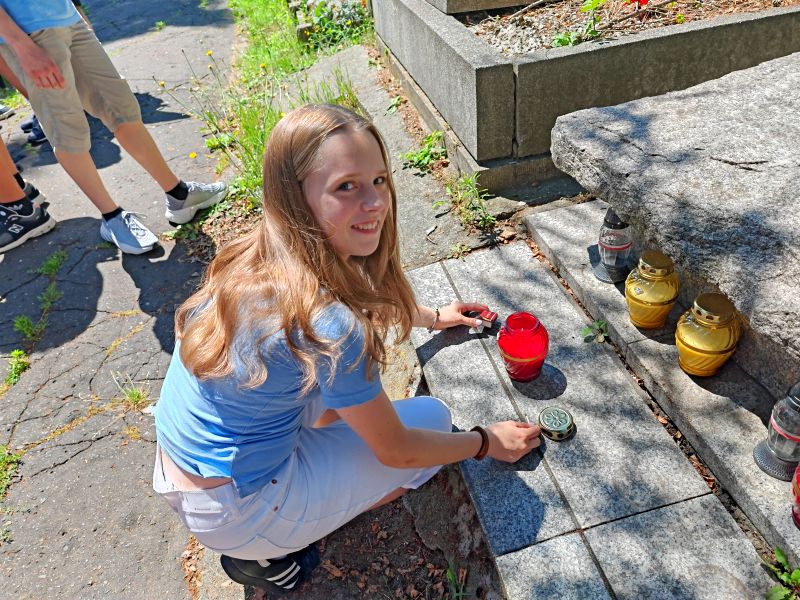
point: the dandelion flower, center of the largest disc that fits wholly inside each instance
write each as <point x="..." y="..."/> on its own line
<point x="161" y="84"/>
<point x="282" y="114"/>
<point x="348" y="23"/>
<point x="263" y="66"/>
<point x="192" y="154"/>
<point x="209" y="53"/>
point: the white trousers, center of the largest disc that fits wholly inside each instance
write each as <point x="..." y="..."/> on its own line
<point x="331" y="478"/>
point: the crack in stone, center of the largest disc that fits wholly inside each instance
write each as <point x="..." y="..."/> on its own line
<point x="6" y="294"/>
<point x="744" y="165"/>
<point x="89" y="444"/>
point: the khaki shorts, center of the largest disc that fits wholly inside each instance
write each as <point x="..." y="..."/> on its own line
<point x="92" y="84"/>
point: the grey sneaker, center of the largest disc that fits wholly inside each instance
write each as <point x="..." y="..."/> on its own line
<point x="201" y="195"/>
<point x="128" y="233"/>
<point x="16" y="229"/>
<point x="6" y="111"/>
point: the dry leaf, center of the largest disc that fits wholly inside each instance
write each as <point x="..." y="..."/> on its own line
<point x="332" y="569"/>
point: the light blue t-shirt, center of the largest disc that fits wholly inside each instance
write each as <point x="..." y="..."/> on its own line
<point x="35" y="15"/>
<point x="215" y="428"/>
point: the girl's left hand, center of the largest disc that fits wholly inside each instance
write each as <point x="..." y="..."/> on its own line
<point x="453" y="314"/>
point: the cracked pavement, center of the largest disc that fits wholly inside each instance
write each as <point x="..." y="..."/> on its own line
<point x="82" y="517"/>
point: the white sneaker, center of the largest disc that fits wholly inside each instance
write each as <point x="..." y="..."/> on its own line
<point x="128" y="233"/>
<point x="201" y="195"/>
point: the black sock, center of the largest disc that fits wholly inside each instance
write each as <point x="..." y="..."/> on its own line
<point x="21" y="207"/>
<point x="20" y="180"/>
<point x="112" y="214"/>
<point x="180" y="191"/>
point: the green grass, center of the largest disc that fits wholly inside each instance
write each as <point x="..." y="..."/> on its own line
<point x="240" y="112"/>
<point x="423" y="159"/>
<point x="18" y="363"/>
<point x="52" y="264"/>
<point x="9" y="463"/>
<point x="159" y="25"/>
<point x="468" y="201"/>
<point x="11" y="98"/>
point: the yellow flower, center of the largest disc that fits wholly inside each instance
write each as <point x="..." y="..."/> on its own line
<point x="281" y="115"/>
<point x="192" y="154"/>
<point x="263" y="66"/>
<point x="209" y="53"/>
<point x="348" y="23"/>
<point x="161" y="84"/>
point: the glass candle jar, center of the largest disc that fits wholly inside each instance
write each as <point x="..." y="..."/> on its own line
<point x="523" y="343"/>
<point x="651" y="290"/>
<point x="707" y="334"/>
<point x="614" y="247"/>
<point x="779" y="453"/>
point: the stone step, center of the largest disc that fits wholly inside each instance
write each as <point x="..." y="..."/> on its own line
<point x="723" y="417"/>
<point x="570" y="521"/>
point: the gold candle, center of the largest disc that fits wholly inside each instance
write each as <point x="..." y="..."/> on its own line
<point x="707" y="334"/>
<point x="651" y="290"/>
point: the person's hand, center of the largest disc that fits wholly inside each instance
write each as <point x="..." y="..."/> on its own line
<point x="453" y="314"/>
<point x="511" y="440"/>
<point x="40" y="67"/>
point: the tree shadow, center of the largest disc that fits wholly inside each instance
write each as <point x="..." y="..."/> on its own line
<point x="120" y="19"/>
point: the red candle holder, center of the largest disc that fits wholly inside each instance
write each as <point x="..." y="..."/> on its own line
<point x="523" y="343"/>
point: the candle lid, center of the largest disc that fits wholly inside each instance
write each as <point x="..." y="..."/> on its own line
<point x="713" y="308"/>
<point x="655" y="264"/>
<point x="612" y="221"/>
<point x="556" y="423"/>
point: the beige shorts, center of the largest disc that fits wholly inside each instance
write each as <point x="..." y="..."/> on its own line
<point x="92" y="84"/>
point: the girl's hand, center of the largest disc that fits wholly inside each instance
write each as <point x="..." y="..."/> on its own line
<point x="453" y="314"/>
<point x="511" y="440"/>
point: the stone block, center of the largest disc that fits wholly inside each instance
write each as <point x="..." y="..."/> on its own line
<point x="470" y="85"/>
<point x="718" y="193"/>
<point x="517" y="504"/>
<point x="560" y="568"/>
<point x="557" y="81"/>
<point x="568" y="238"/>
<point x="723" y="417"/>
<point x="452" y="7"/>
<point x="621" y="460"/>
<point x="693" y="549"/>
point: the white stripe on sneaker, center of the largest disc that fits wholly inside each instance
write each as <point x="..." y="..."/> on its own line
<point x="288" y="573"/>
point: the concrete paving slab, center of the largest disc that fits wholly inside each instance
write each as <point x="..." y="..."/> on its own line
<point x="621" y="460"/>
<point x="693" y="549"/>
<point x="559" y="568"/>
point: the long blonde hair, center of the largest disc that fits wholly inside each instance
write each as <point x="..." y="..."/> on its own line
<point x="285" y="272"/>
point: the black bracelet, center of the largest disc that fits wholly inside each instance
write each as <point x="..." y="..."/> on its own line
<point x="484" y="442"/>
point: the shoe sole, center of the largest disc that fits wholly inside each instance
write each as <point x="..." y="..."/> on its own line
<point x="185" y="215"/>
<point x="37" y="142"/>
<point x="126" y="249"/>
<point x="40" y="230"/>
<point x="7" y="114"/>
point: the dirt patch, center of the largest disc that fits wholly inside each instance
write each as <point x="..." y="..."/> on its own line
<point x="190" y="558"/>
<point x="513" y="33"/>
<point x="380" y="554"/>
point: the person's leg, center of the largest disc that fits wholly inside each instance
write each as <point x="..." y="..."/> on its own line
<point x="20" y="218"/>
<point x="106" y="95"/>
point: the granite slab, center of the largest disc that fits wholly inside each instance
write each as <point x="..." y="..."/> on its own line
<point x="621" y="460"/>
<point x="693" y="549"/>
<point x="517" y="504"/>
<point x="560" y="568"/>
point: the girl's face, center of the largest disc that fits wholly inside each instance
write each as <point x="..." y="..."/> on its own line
<point x="349" y="192"/>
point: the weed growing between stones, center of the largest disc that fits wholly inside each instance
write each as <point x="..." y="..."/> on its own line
<point x="468" y="200"/>
<point x="457" y="583"/>
<point x="396" y="102"/>
<point x="18" y="363"/>
<point x="423" y="159"/>
<point x="9" y="461"/>
<point x="459" y="251"/>
<point x="336" y="22"/>
<point x="596" y="331"/>
<point x="159" y="25"/>
<point x="788" y="587"/>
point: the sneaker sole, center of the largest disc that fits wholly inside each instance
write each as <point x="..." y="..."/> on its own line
<point x="126" y="249"/>
<point x="7" y="114"/>
<point x="40" y="230"/>
<point x="185" y="215"/>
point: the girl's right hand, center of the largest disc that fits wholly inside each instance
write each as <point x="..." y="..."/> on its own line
<point x="511" y="440"/>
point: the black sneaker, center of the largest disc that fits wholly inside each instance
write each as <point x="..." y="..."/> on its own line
<point x="16" y="229"/>
<point x="33" y="193"/>
<point x="36" y="135"/>
<point x="27" y="124"/>
<point x="279" y="576"/>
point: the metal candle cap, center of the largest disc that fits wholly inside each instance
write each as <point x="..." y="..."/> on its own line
<point x="713" y="308"/>
<point x="655" y="264"/>
<point x="556" y="423"/>
<point x="612" y="221"/>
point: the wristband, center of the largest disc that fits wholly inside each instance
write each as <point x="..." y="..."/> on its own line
<point x="484" y="442"/>
<point x="435" y="320"/>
